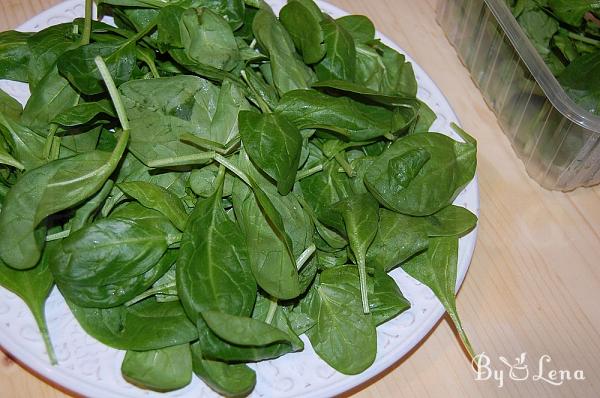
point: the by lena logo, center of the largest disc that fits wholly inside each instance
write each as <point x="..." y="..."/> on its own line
<point x="520" y="370"/>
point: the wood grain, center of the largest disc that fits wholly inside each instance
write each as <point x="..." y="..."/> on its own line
<point x="534" y="283"/>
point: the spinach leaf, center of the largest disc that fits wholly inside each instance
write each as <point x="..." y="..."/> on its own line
<point x="79" y="68"/>
<point x="359" y="27"/>
<point x="46" y="46"/>
<point x="422" y="173"/>
<point x="580" y="81"/>
<point x="340" y="59"/>
<point x="162" y="370"/>
<point x="46" y="190"/>
<point x="148" y="325"/>
<point x="272" y="264"/>
<point x="437" y="269"/>
<point x="158" y="198"/>
<point x="161" y="110"/>
<point x="450" y="221"/>
<point x="386" y="300"/>
<point x="230" y="380"/>
<point x="343" y="336"/>
<point x="52" y="96"/>
<point x="213" y="269"/>
<point x="208" y="39"/>
<point x="360" y="215"/>
<point x="398" y="238"/>
<point x="14" y="53"/>
<point x="111" y="261"/>
<point x="274" y="145"/>
<point x="289" y="72"/>
<point x="83" y="113"/>
<point x="33" y="287"/>
<point x="355" y="120"/>
<point x="302" y="19"/>
<point x="243" y="331"/>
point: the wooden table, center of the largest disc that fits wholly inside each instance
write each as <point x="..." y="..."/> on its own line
<point x="534" y="282"/>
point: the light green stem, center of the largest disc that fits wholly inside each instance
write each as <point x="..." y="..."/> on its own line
<point x="305" y="256"/>
<point x="197" y="158"/>
<point x="151" y="292"/>
<point x="58" y="235"/>
<point x="231" y="167"/>
<point x="87" y="27"/>
<point x="114" y="93"/>
<point x="345" y="165"/>
<point x="307" y="173"/>
<point x="364" y="293"/>
<point x="272" y="311"/>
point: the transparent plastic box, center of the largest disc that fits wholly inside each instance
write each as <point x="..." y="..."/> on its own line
<point x="557" y="140"/>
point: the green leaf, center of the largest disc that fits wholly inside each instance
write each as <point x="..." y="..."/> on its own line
<point x="572" y="11"/>
<point x="14" y="53"/>
<point x="79" y="68"/>
<point x="229" y="380"/>
<point x="289" y="72"/>
<point x="161" y="110"/>
<point x="580" y="81"/>
<point x="144" y="326"/>
<point x="272" y="263"/>
<point x="344" y="336"/>
<point x="359" y="27"/>
<point x="208" y="39"/>
<point x="33" y="287"/>
<point x="450" y="221"/>
<point x="274" y="145"/>
<point x="398" y="238"/>
<point x="84" y="113"/>
<point x="243" y="331"/>
<point x="112" y="260"/>
<point x="52" y="96"/>
<point x="361" y="218"/>
<point x="386" y="300"/>
<point x="158" y="198"/>
<point x="213" y="269"/>
<point x="359" y="122"/>
<point x="302" y="21"/>
<point x="340" y="60"/>
<point x="162" y="370"/>
<point x="46" y="47"/>
<point x="437" y="269"/>
<point x="46" y="190"/>
<point x="404" y="180"/>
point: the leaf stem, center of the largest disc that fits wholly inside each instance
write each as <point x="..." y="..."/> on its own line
<point x="264" y="107"/>
<point x="344" y="164"/>
<point x="362" y="275"/>
<point x="584" y="39"/>
<point x="87" y="26"/>
<point x="114" y="93"/>
<point x="151" y="292"/>
<point x="307" y="173"/>
<point x="58" y="235"/>
<point x="50" y="140"/>
<point x="40" y="319"/>
<point x="305" y="256"/>
<point x="231" y="167"/>
<point x="272" y="310"/>
<point x="187" y="160"/>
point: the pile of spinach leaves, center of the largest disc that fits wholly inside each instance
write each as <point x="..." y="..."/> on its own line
<point x="566" y="34"/>
<point x="205" y="182"/>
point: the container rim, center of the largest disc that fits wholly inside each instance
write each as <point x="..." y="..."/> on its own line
<point x="540" y="71"/>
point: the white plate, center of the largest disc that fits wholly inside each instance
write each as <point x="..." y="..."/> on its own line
<point x="89" y="368"/>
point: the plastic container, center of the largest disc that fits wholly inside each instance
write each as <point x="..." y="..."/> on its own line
<point x="556" y="139"/>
